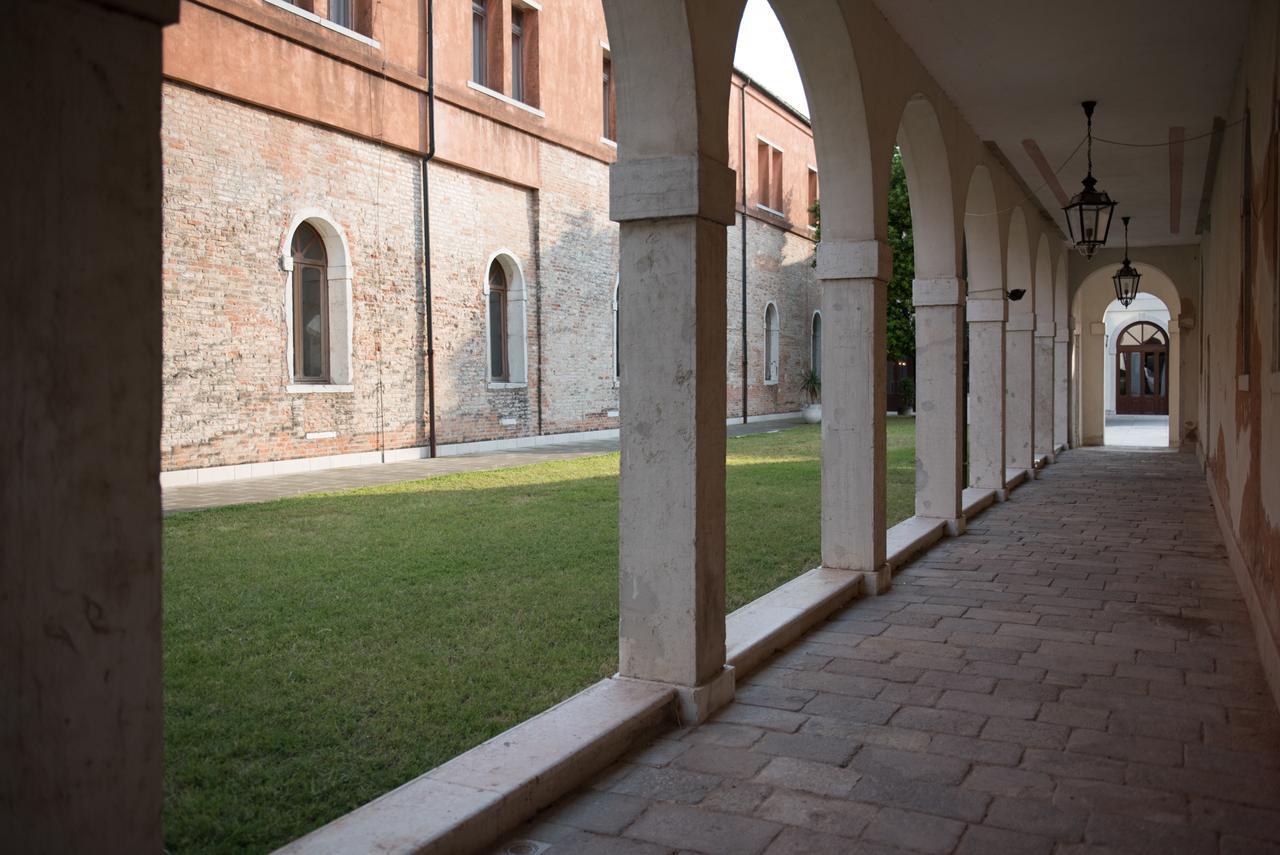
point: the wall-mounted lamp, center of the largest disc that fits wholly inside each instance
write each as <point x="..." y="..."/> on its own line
<point x="1016" y="294"/>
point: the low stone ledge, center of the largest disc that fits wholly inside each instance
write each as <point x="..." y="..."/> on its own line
<point x="1013" y="478"/>
<point x="975" y="500"/>
<point x="766" y="625"/>
<point x="910" y="537"/>
<point x="476" y="797"/>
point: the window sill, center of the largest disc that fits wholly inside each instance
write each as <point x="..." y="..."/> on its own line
<point x="771" y="211"/>
<point x="771" y="382"/>
<point x="609" y="142"/>
<point x="506" y="384"/>
<point x="506" y="99"/>
<point x="324" y="22"/>
<point x="316" y="388"/>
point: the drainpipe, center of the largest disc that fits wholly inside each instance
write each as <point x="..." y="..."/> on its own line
<point x="742" y="164"/>
<point x="426" y="228"/>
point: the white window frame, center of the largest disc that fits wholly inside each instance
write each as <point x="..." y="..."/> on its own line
<point x="772" y="345"/>
<point x="340" y="274"/>
<point x="617" y="338"/>
<point x="517" y="323"/>
<point x="815" y="342"/>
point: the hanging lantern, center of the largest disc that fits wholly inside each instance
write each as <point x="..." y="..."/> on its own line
<point x="1089" y="211"/>
<point x="1126" y="278"/>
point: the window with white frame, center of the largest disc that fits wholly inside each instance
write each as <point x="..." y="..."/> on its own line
<point x="811" y="201"/>
<point x="768" y="176"/>
<point x="480" y="42"/>
<point x="317" y="304"/>
<point x="815" y="344"/>
<point x="772" y="340"/>
<point x="504" y="293"/>
<point x="609" y="123"/>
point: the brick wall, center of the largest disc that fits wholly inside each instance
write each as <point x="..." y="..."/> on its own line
<point x="236" y="177"/>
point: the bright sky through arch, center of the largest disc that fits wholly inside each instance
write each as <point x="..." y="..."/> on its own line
<point x="764" y="55"/>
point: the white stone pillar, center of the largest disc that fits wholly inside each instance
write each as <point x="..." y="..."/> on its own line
<point x="1044" y="389"/>
<point x="673" y="212"/>
<point x="854" y="277"/>
<point x="1061" y="385"/>
<point x="939" y="307"/>
<point x="986" y="393"/>
<point x="1019" y="346"/>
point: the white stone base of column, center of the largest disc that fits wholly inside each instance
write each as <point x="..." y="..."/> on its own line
<point x="877" y="582"/>
<point x="695" y="704"/>
<point x="956" y="526"/>
<point x="1001" y="495"/>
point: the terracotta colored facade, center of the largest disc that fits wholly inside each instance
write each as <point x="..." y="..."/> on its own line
<point x="274" y="116"/>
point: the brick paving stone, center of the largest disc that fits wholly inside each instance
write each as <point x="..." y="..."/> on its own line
<point x="982" y="840"/>
<point x="830" y="816"/>
<point x="914" y="831"/>
<point x="703" y="830"/>
<point x="888" y="762"/>
<point x="604" y="813"/>
<point x="923" y="796"/>
<point x="1043" y="675"/>
<point x="809" y="776"/>
<point x="807" y="746"/>
<point x="577" y="842"/>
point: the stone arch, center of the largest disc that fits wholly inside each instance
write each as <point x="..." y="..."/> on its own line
<point x="925" y="159"/>
<point x="1092" y="297"/>
<point x="984" y="260"/>
<point x="339" y="271"/>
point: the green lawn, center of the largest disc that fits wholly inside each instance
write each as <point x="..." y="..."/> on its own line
<point x="321" y="650"/>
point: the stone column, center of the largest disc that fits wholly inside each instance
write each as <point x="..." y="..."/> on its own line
<point x="673" y="212"/>
<point x="1019" y="346"/>
<point x="1174" y="380"/>
<point x="986" y="319"/>
<point x="940" y="399"/>
<point x="1044" y="389"/>
<point x="853" y="276"/>
<point x="80" y="337"/>
<point x="1061" y="387"/>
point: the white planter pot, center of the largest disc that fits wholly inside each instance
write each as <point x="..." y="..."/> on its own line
<point x="813" y="413"/>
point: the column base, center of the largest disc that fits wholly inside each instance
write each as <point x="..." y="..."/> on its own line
<point x="695" y="704"/>
<point x="1002" y="494"/>
<point x="956" y="526"/>
<point x="876" y="582"/>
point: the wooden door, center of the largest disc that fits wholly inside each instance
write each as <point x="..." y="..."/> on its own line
<point x="1142" y="370"/>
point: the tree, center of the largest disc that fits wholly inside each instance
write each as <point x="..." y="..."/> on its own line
<point x="900" y="321"/>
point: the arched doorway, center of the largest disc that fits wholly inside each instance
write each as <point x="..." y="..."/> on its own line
<point x="1142" y="370"/>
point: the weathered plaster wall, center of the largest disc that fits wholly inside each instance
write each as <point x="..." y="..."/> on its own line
<point x="1240" y="385"/>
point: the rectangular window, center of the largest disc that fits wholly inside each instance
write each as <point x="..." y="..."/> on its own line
<point x="517" y="54"/>
<point x="479" y="44"/>
<point x="340" y="13"/>
<point x="769" y="176"/>
<point x="311" y="348"/>
<point x="610" y="131"/>
<point x="812" y="199"/>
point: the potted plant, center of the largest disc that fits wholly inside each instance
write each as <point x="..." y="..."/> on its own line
<point x="811" y="385"/>
<point x="907" y="387"/>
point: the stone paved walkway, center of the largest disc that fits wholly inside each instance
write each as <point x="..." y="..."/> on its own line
<point x="268" y="489"/>
<point x="1074" y="675"/>
<point x="1139" y="431"/>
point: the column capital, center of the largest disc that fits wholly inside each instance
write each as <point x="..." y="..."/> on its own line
<point x="1046" y="329"/>
<point x="653" y="188"/>
<point x="855" y="259"/>
<point x="1020" y="323"/>
<point x="939" y="291"/>
<point x="987" y="311"/>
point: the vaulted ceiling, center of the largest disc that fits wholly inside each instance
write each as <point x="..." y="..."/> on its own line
<point x="1018" y="70"/>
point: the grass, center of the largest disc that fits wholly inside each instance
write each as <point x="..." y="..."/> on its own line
<point x="322" y="650"/>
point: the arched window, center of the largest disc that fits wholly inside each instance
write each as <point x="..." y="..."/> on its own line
<point x="504" y="292"/>
<point x="310" y="306"/>
<point x="317" y="304"/>
<point x="815" y="348"/>
<point x="771" y="341"/>
<point x="617" y="334"/>
<point x="499" y="347"/>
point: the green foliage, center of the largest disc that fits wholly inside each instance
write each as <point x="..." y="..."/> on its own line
<point x="900" y="323"/>
<point x="322" y="650"/>
<point x="811" y="385"/>
<point x="907" y="388"/>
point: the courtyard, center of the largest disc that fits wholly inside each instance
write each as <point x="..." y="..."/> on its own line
<point x="322" y="649"/>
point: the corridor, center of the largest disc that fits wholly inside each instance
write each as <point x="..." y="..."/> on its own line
<point x="1076" y="673"/>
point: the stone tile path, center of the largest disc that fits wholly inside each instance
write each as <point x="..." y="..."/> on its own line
<point x="1074" y="675"/>
<point x="268" y="489"/>
<point x="1139" y="431"/>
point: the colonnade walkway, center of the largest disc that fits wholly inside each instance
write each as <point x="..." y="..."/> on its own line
<point x="1075" y="674"/>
